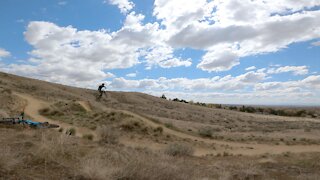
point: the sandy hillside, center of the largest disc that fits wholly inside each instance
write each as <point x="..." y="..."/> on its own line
<point x="128" y="129"/>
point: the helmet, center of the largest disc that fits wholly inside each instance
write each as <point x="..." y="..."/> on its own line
<point x="103" y="84"/>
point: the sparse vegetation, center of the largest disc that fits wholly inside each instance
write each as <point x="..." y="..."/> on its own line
<point x="206" y="132"/>
<point x="71" y="132"/>
<point x="108" y="135"/>
<point x="169" y="125"/>
<point x="261" y="110"/>
<point x="158" y="129"/>
<point x="88" y="136"/>
<point x="128" y="147"/>
<point x="176" y="149"/>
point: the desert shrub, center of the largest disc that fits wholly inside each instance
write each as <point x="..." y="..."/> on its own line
<point x="184" y="101"/>
<point x="60" y="129"/>
<point x="7" y="91"/>
<point x="261" y="110"/>
<point x="158" y="129"/>
<point x="250" y="109"/>
<point x="71" y="131"/>
<point x="272" y="111"/>
<point x="49" y="112"/>
<point x="301" y="113"/>
<point x="281" y="113"/>
<point x="130" y="125"/>
<point x="168" y="125"/>
<point x="77" y="107"/>
<point x="201" y="104"/>
<point x="44" y="111"/>
<point x="88" y="136"/>
<point x="176" y="149"/>
<point x="108" y="135"/>
<point x="233" y="108"/>
<point x="176" y="99"/>
<point x="56" y="113"/>
<point x="205" y="132"/>
<point x="218" y="106"/>
<point x="163" y="96"/>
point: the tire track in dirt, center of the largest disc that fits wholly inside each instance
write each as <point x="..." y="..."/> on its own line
<point x="34" y="105"/>
<point x="32" y="109"/>
<point x="236" y="148"/>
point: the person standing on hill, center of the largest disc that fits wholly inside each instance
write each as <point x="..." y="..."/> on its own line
<point x="100" y="89"/>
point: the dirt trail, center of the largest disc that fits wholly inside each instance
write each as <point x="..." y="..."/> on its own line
<point x="230" y="147"/>
<point x="86" y="105"/>
<point x="32" y="109"/>
<point x="34" y="105"/>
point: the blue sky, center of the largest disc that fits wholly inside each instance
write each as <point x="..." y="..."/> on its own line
<point x="233" y="52"/>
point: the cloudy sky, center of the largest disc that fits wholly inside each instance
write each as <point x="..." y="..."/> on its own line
<point x="220" y="51"/>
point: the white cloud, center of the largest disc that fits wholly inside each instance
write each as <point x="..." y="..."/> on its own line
<point x="312" y="81"/>
<point x="226" y="83"/>
<point x="317" y="43"/>
<point x="225" y="31"/>
<point x="131" y="75"/>
<point x="69" y="56"/>
<point x="221" y="60"/>
<point x="81" y="56"/>
<point x="245" y="88"/>
<point x="251" y="68"/>
<point x="252" y="77"/>
<point x="4" y="53"/>
<point x="310" y="84"/>
<point x="62" y="3"/>
<point x="176" y="14"/>
<point x="124" y="5"/>
<point x="296" y="70"/>
<point x="163" y="56"/>
<point x="247" y="27"/>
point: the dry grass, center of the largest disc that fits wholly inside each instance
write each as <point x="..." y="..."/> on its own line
<point x="151" y="168"/>
<point x="108" y="135"/>
<point x="88" y="137"/>
<point x="34" y="154"/>
<point x="176" y="149"/>
<point x="206" y="132"/>
<point x="8" y="158"/>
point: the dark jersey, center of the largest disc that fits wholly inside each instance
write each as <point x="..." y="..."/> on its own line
<point x="100" y="87"/>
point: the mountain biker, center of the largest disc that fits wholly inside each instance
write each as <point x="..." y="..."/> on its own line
<point x="100" y="89"/>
